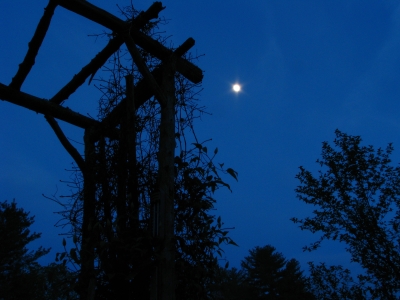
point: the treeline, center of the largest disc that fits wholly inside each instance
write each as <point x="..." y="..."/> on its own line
<point x="264" y="274"/>
<point x="356" y="196"/>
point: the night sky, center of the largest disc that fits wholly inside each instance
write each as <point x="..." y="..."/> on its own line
<point x="306" y="68"/>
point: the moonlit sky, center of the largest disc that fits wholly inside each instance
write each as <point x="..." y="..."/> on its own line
<point x="306" y="68"/>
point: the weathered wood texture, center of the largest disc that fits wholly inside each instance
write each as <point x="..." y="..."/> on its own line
<point x="159" y="83"/>
<point x="89" y="70"/>
<point x="45" y="107"/>
<point x="166" y="183"/>
<point x="143" y="89"/>
<point x="131" y="143"/>
<point x="87" y="253"/>
<point x="34" y="45"/>
<point x="137" y="58"/>
<point x="67" y="145"/>
<point x="93" y="13"/>
<point x="87" y="10"/>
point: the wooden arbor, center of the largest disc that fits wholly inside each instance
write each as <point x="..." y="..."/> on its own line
<point x="118" y="124"/>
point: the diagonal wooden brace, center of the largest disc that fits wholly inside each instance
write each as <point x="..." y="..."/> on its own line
<point x="34" y="45"/>
<point x="67" y="145"/>
<point x="83" y="7"/>
<point x="102" y="17"/>
<point x="137" y="58"/>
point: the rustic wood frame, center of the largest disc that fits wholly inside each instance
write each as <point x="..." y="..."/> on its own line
<point x="159" y="83"/>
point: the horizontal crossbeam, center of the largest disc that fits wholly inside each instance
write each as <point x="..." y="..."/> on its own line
<point x="45" y="107"/>
<point x="143" y="89"/>
<point x="104" y="18"/>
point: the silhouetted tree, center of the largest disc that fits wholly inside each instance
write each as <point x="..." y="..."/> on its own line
<point x="271" y="276"/>
<point x="334" y="283"/>
<point x="230" y="284"/>
<point x="357" y="201"/>
<point x="265" y="274"/>
<point x="19" y="269"/>
<point x="21" y="276"/>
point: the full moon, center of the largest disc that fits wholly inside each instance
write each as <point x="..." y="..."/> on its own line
<point x="236" y="88"/>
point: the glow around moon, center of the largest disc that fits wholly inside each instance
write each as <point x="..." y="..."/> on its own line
<point x="236" y="88"/>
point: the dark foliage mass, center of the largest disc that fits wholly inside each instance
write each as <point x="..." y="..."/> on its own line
<point x="357" y="200"/>
<point x="265" y="274"/>
<point x="21" y="276"/>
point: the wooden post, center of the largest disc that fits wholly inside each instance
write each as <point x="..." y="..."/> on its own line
<point x="87" y="281"/>
<point x="131" y="143"/>
<point x="166" y="184"/>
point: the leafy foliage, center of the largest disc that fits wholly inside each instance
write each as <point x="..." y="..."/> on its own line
<point x="199" y="234"/>
<point x="21" y="277"/>
<point x="334" y="283"/>
<point x="18" y="265"/>
<point x="357" y="200"/>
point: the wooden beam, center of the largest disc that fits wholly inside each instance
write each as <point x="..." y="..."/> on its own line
<point x="166" y="175"/>
<point x="183" y="66"/>
<point x="33" y="46"/>
<point x="101" y="58"/>
<point x="108" y="20"/>
<point x="131" y="143"/>
<point x="45" y="107"/>
<point x="92" y="12"/>
<point x="143" y="92"/>
<point x="137" y="58"/>
<point x="67" y="145"/>
<point x="90" y="69"/>
<point x="142" y="89"/>
<point x="87" y="278"/>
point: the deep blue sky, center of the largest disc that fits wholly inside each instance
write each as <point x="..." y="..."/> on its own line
<point x="307" y="68"/>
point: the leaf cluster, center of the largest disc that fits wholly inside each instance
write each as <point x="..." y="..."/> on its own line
<point x="357" y="200"/>
<point x="334" y="283"/>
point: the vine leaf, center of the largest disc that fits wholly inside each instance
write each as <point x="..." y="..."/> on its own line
<point x="231" y="242"/>
<point x="198" y="146"/>
<point x="232" y="172"/>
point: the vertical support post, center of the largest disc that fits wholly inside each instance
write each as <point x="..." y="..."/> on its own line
<point x="131" y="136"/>
<point x="87" y="281"/>
<point x="166" y="184"/>
<point x="119" y="282"/>
<point x="154" y="217"/>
